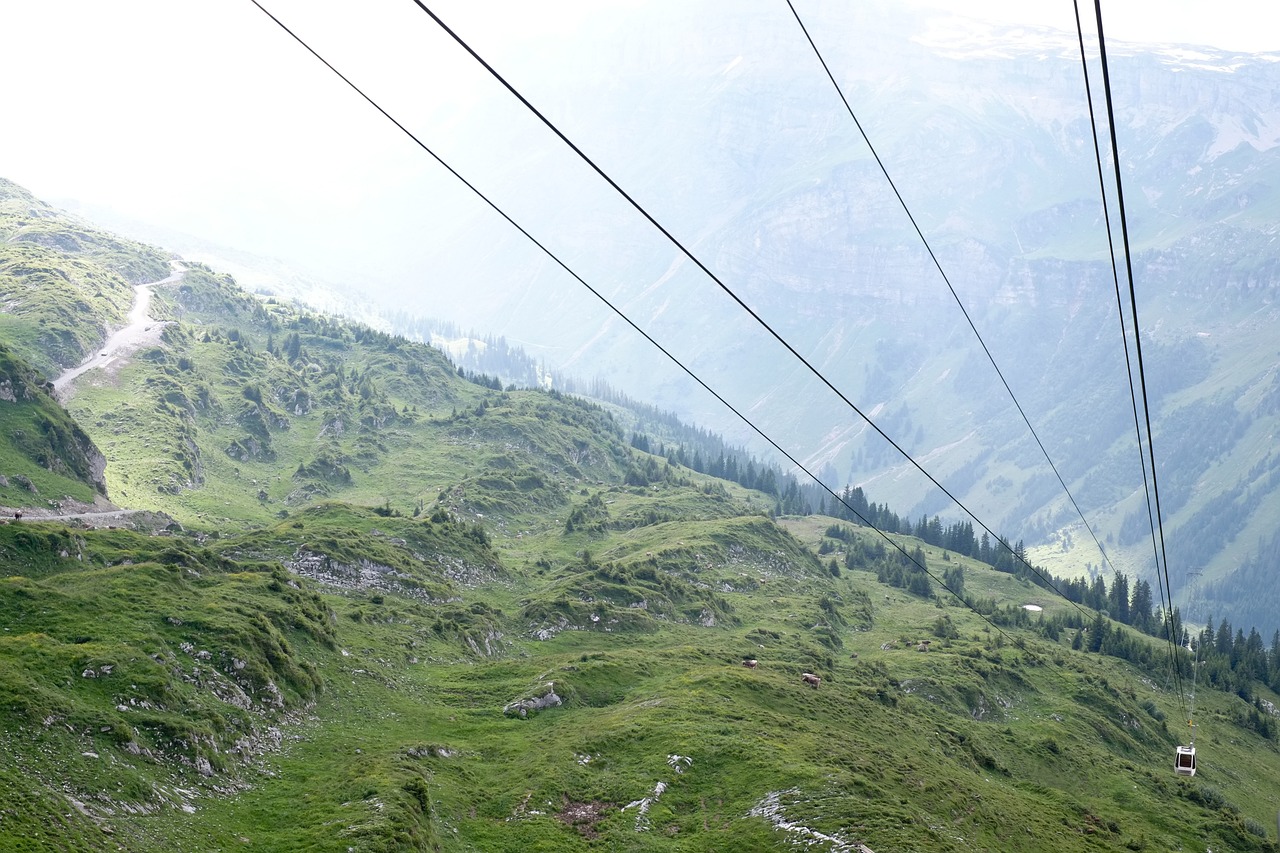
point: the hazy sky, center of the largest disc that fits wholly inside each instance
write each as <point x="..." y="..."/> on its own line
<point x="1240" y="25"/>
<point x="207" y="118"/>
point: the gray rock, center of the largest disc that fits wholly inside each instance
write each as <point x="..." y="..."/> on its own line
<point x="544" y="698"/>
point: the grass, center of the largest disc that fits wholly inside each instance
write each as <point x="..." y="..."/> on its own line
<point x="972" y="745"/>
<point x="135" y="664"/>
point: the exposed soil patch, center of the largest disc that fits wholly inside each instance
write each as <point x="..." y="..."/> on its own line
<point x="584" y="816"/>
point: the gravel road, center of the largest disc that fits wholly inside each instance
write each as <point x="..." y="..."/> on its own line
<point x="140" y="330"/>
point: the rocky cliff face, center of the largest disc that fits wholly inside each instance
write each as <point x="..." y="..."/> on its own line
<point x="43" y="434"/>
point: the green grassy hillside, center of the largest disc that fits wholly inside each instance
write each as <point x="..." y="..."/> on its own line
<point x="340" y="680"/>
<point x="406" y="610"/>
<point x="62" y="282"/>
<point x="251" y="410"/>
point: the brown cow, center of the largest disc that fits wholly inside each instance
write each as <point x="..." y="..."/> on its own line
<point x="810" y="679"/>
<point x="750" y="663"/>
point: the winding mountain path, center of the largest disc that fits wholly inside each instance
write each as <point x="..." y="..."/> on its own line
<point x="101" y="513"/>
<point x="138" y="331"/>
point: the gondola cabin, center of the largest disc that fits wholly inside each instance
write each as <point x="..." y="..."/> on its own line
<point x="1185" y="762"/>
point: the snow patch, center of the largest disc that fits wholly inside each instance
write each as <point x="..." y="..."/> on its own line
<point x="1262" y="134"/>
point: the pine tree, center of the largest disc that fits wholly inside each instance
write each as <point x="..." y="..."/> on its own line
<point x="1097" y="633"/>
<point x="1097" y="598"/>
<point x="1223" y="643"/>
<point x="1140" y="606"/>
<point x="1118" y="598"/>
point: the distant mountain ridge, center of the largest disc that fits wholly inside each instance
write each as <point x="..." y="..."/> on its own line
<point x="985" y="131"/>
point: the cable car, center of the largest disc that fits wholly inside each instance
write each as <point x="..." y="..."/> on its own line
<point x="1185" y="762"/>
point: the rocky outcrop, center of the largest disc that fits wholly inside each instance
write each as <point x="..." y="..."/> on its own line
<point x="363" y="575"/>
<point x="248" y="449"/>
<point x="54" y="440"/>
<point x="544" y="697"/>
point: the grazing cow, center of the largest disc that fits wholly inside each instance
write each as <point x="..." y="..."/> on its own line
<point x="17" y="516"/>
<point x="923" y="647"/>
<point x="750" y="663"/>
<point x="810" y="679"/>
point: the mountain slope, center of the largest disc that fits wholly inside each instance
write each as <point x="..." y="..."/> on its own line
<point x="63" y="283"/>
<point x="660" y="739"/>
<point x="409" y="610"/>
